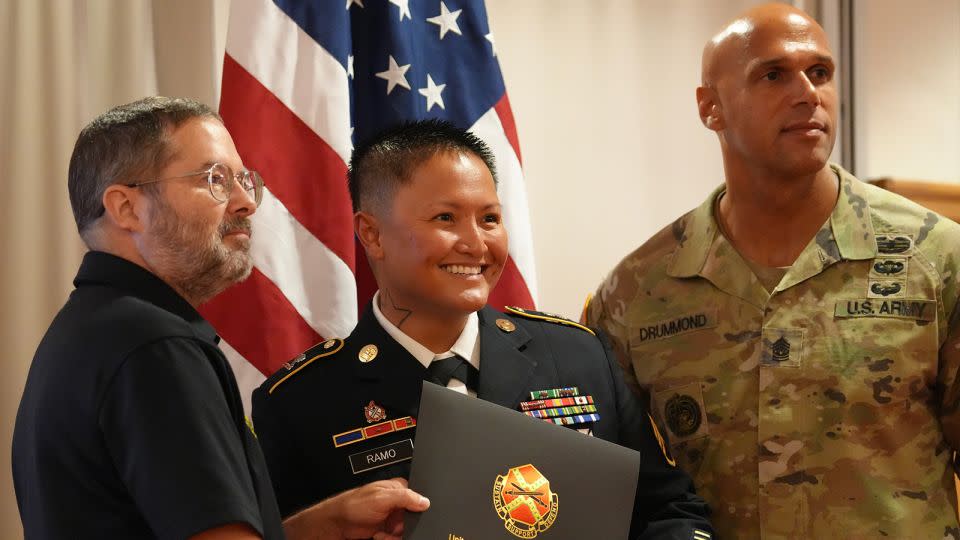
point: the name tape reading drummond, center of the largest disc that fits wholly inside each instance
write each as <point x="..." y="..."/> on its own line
<point x="676" y="326"/>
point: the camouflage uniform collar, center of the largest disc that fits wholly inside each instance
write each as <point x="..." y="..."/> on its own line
<point x="850" y="222"/>
<point x="847" y="235"/>
<point x="695" y="233"/>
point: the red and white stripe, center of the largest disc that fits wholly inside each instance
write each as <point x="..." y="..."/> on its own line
<point x="285" y="101"/>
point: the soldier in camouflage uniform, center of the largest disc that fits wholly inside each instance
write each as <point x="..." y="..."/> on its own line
<point x="809" y="382"/>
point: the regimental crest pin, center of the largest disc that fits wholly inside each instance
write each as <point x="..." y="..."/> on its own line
<point x="374" y="413"/>
<point x="524" y="501"/>
<point x="780" y="350"/>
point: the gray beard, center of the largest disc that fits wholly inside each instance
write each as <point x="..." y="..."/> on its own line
<point x="196" y="264"/>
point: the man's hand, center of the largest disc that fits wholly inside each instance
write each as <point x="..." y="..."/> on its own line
<point x="371" y="511"/>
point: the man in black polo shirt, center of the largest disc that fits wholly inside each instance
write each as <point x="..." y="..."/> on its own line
<point x="131" y="424"/>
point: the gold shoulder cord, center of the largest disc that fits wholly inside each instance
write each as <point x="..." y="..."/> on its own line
<point x="542" y="317"/>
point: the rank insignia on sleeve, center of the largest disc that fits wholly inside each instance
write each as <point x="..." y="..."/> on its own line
<point x="374" y="413"/>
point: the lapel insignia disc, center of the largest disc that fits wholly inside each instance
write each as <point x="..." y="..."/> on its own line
<point x="523" y="500"/>
<point x="374" y="413"/>
<point x="368" y="353"/>
<point x="506" y="326"/>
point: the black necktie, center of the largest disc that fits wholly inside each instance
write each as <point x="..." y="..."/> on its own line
<point x="454" y="367"/>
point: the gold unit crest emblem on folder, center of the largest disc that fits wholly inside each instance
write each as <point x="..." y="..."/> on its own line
<point x="523" y="500"/>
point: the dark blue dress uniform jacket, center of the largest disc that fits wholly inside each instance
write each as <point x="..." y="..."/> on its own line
<point x="298" y="410"/>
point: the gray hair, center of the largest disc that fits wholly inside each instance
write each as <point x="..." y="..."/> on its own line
<point x="121" y="145"/>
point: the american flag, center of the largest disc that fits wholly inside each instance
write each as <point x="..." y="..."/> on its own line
<point x="303" y="79"/>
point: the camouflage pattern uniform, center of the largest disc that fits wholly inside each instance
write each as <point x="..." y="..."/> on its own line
<point x="827" y="409"/>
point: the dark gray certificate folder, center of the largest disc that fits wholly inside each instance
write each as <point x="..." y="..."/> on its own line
<point x="493" y="473"/>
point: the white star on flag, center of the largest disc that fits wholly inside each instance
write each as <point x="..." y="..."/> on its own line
<point x="352" y="2"/>
<point x="432" y="93"/>
<point x="404" y="6"/>
<point x="394" y="75"/>
<point x="447" y="21"/>
<point x="350" y="65"/>
<point x="493" y="44"/>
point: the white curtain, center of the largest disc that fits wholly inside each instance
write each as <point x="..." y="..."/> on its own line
<point x="62" y="62"/>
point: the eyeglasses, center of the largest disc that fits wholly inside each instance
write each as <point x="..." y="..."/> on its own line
<point x="220" y="180"/>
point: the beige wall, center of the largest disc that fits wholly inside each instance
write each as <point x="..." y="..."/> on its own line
<point x="908" y="89"/>
<point x="602" y="92"/>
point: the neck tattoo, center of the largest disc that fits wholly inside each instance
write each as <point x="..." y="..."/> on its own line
<point x="406" y="312"/>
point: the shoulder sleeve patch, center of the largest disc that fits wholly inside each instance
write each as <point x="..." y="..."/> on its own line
<point x="548" y="317"/>
<point x="291" y="368"/>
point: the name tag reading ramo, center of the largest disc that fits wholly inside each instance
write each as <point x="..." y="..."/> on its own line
<point x="382" y="456"/>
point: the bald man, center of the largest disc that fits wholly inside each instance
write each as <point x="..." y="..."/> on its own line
<point x="797" y="332"/>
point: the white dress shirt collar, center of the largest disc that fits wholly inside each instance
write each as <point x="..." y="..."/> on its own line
<point x="467" y="345"/>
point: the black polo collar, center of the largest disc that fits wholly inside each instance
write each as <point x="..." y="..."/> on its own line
<point x="103" y="269"/>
